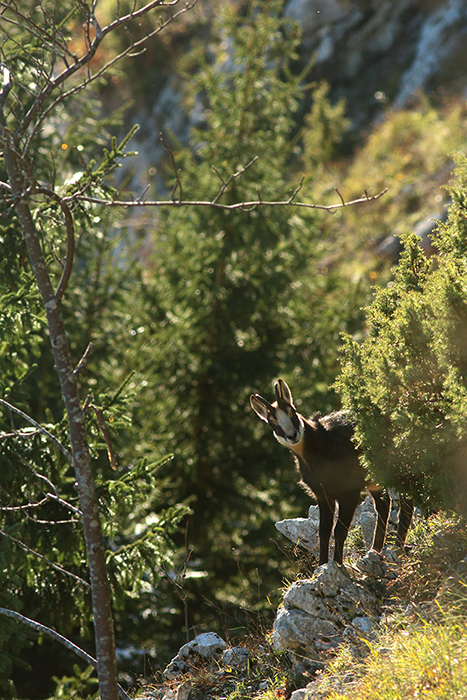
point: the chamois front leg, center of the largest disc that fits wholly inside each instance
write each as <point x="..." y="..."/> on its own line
<point x="347" y="506"/>
<point x="382" y="504"/>
<point x="405" y="518"/>
<point x="326" y="507"/>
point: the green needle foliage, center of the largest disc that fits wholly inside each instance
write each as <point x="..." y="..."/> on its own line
<point x="234" y="299"/>
<point x="406" y="383"/>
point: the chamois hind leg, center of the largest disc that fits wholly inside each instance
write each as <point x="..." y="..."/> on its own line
<point x="326" y="520"/>
<point x="405" y="518"/>
<point x="347" y="505"/>
<point x="382" y="505"/>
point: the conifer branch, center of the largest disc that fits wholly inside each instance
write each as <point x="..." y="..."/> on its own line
<point x="105" y="434"/>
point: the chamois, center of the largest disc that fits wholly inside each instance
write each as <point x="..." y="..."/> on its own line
<point x="330" y="470"/>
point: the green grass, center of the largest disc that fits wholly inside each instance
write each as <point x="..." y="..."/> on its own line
<point x="421" y="660"/>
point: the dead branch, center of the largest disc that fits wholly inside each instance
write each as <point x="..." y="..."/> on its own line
<point x="70" y="237"/>
<point x="26" y="506"/>
<point x="231" y="178"/>
<point x="85" y="359"/>
<point x="245" y="205"/>
<point x="57" y="567"/>
<point x="175" y="170"/>
<point x="40" y="428"/>
<point x="38" y="111"/>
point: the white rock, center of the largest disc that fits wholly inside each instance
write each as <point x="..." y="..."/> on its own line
<point x="295" y="630"/>
<point x="317" y="613"/>
<point x="184" y="690"/>
<point x="305" y="531"/>
<point x="299" y="694"/>
<point x="177" y="667"/>
<point x="373" y="563"/>
<point x="207" y="646"/>
<point x="300" y="531"/>
<point x="439" y="37"/>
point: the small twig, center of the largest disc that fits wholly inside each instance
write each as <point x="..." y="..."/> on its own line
<point x="175" y="170"/>
<point x="36" y="474"/>
<point x="232" y="176"/>
<point x="179" y="587"/>
<point x="84" y="360"/>
<point x="59" y="638"/>
<point x="106" y="435"/>
<point x="140" y="198"/>
<point x="45" y="432"/>
<point x="296" y="191"/>
<point x="47" y="561"/>
<point x="342" y="198"/>
<point x="26" y="506"/>
<point x="65" y="504"/>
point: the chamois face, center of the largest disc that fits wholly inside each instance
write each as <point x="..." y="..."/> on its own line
<point x="282" y="416"/>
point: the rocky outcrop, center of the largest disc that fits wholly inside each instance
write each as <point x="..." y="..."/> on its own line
<point x="338" y="605"/>
<point x="318" y="614"/>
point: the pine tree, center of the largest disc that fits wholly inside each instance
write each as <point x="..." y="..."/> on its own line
<point x="234" y="299"/>
<point x="406" y="384"/>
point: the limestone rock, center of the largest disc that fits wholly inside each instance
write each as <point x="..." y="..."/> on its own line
<point x="316" y="613"/>
<point x="206" y="646"/>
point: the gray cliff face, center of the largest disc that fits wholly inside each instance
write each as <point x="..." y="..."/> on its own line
<point x="394" y="47"/>
<point x="375" y="53"/>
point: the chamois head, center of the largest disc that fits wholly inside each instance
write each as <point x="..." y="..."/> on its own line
<point x="281" y="415"/>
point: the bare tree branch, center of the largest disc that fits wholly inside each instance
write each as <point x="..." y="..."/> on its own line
<point x="70" y="236"/>
<point x="57" y="567"/>
<point x="175" y="170"/>
<point x="39" y="113"/>
<point x="245" y="205"/>
<point x="84" y="360"/>
<point x="65" y="504"/>
<point x="40" y="428"/>
<point x="233" y="176"/>
<point x="59" y="638"/>
<point x="26" y="506"/>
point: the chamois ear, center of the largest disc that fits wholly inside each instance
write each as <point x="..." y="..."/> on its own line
<point x="283" y="393"/>
<point x="260" y="406"/>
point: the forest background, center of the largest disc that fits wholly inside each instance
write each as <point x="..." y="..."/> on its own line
<point x="186" y="310"/>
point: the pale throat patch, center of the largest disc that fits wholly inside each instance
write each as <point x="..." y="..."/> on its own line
<point x="294" y="437"/>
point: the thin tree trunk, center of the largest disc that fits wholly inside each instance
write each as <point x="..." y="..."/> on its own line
<point x="101" y="597"/>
